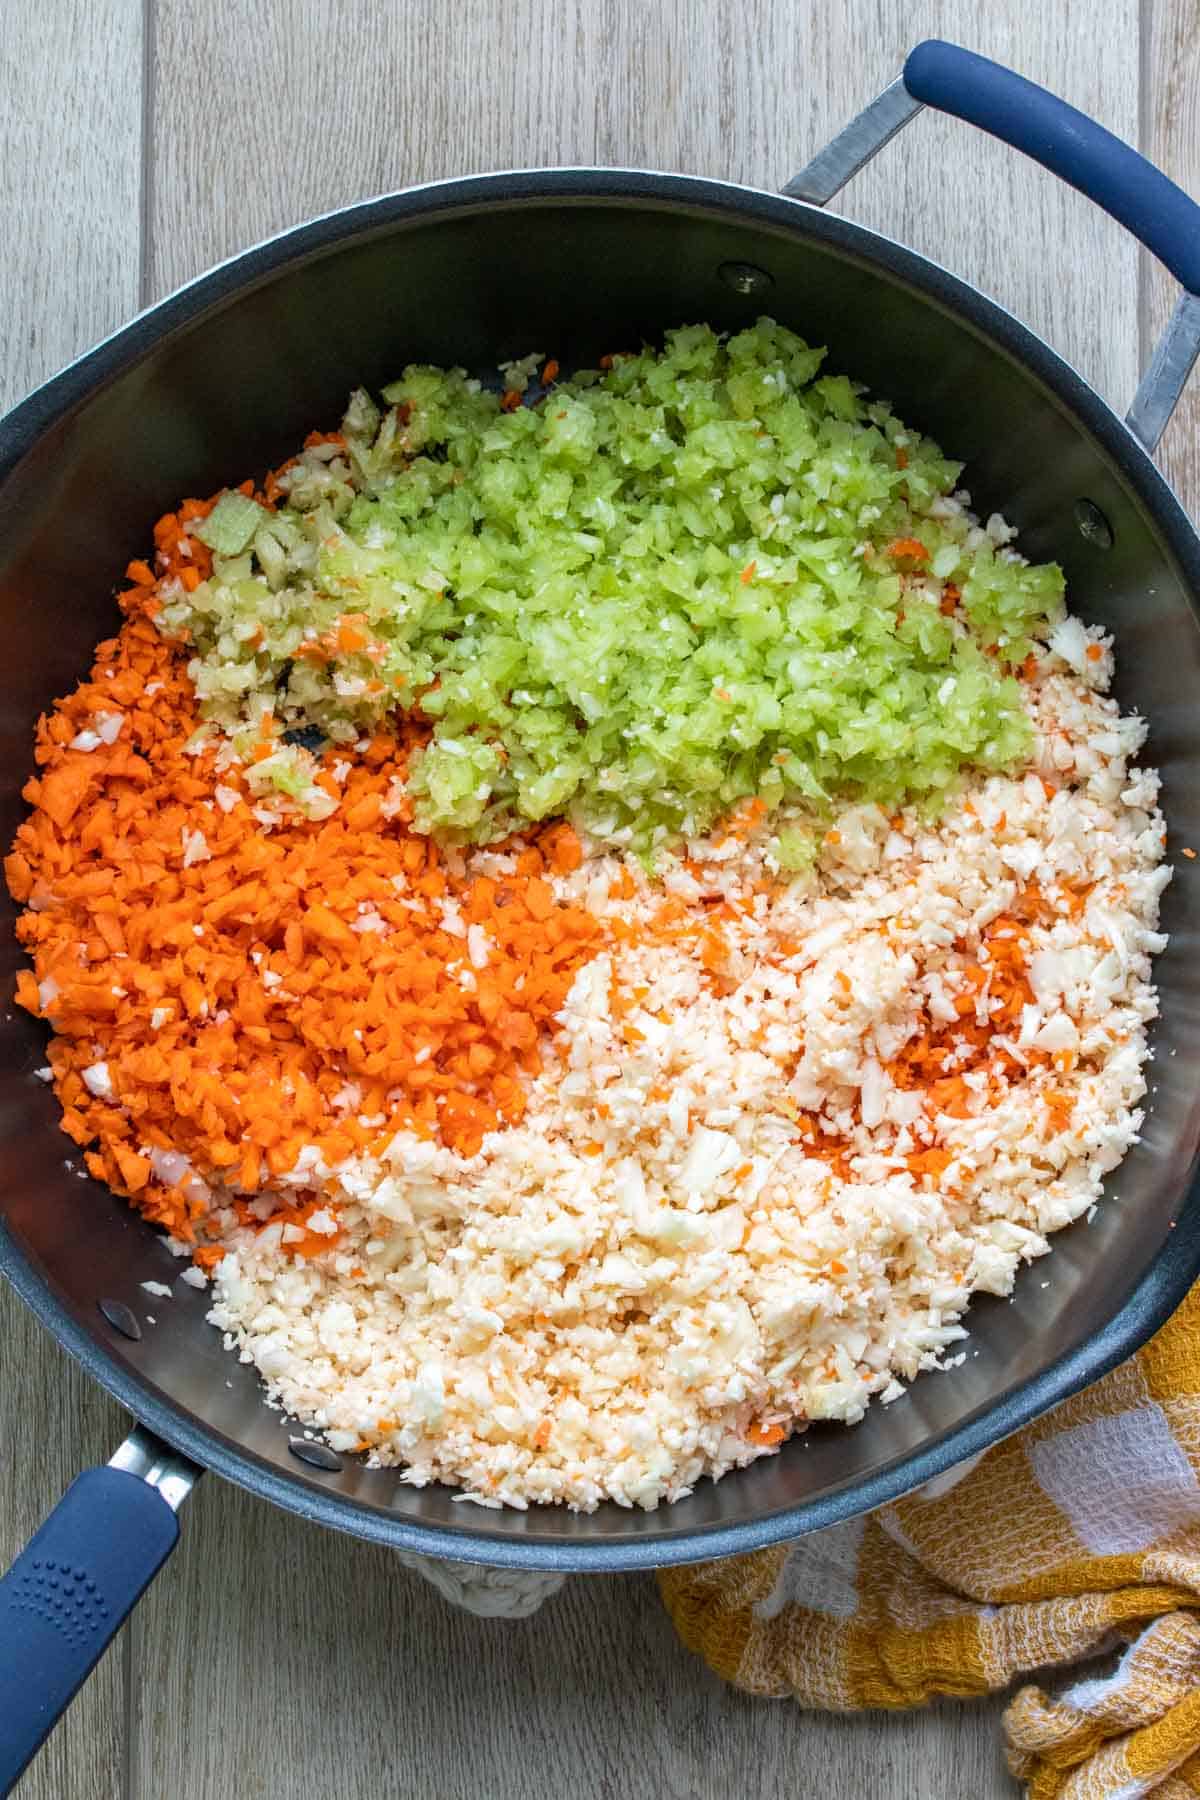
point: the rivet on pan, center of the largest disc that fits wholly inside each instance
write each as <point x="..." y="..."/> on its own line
<point x="1093" y="525"/>
<point x="745" y="278"/>
<point x="319" y="1455"/>
<point x="121" y="1319"/>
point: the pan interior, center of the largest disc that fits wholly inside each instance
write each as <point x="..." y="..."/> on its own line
<point x="225" y="380"/>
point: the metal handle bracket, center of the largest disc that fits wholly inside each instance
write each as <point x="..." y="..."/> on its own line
<point x="857" y="144"/>
<point x="165" y="1470"/>
<point x="1070" y="145"/>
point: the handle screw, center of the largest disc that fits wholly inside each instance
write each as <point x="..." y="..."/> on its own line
<point x="745" y="278"/>
<point x="1093" y="525"/>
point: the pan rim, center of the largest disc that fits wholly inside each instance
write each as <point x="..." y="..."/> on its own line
<point x="1177" y="1262"/>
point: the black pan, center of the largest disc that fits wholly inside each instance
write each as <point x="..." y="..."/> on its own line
<point x="224" y="376"/>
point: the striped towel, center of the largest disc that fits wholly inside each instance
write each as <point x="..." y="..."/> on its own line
<point x="1076" y="1542"/>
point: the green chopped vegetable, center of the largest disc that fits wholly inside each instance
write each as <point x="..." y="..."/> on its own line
<point x="705" y="574"/>
<point x="231" y="524"/>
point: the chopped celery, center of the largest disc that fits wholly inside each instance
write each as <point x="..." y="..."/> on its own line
<point x="231" y="524"/>
<point x="662" y="589"/>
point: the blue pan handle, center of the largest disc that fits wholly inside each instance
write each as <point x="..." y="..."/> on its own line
<point x="71" y="1589"/>
<point x="1068" y="143"/>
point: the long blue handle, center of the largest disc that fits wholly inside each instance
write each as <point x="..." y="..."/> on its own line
<point x="66" y="1597"/>
<point x="1067" y="143"/>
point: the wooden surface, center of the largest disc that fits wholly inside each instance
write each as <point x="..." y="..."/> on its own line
<point x="139" y="141"/>
<point x="70" y="150"/>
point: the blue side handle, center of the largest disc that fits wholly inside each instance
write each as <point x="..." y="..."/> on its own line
<point x="66" y="1597"/>
<point x="1068" y="143"/>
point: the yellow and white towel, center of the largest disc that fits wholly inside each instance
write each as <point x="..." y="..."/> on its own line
<point x="1076" y="1540"/>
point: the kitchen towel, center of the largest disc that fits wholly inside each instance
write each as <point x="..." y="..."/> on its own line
<point x="1075" y="1541"/>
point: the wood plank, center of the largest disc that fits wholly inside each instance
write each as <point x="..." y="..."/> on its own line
<point x="70" y="79"/>
<point x="992" y="216"/>
<point x="70" y="181"/>
<point x="279" y="1660"/>
<point x="307" y="1661"/>
<point x="1171" y="138"/>
<point x="445" y="87"/>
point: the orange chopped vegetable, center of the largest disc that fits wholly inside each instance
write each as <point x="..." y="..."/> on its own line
<point x="236" y="1073"/>
<point x="909" y="547"/>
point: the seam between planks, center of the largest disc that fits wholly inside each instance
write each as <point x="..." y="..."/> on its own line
<point x="146" y="181"/>
<point x="131" y="1637"/>
<point x="131" y="1756"/>
<point x="1145" y="118"/>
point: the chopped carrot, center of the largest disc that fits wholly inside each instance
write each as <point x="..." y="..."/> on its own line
<point x="748" y="573"/>
<point x="550" y="372"/>
<point x="930" y="1162"/>
<point x="312" y="651"/>
<point x="1059" y="1108"/>
<point x="564" y="848"/>
<point x="937" y="1060"/>
<point x="909" y="547"/>
<point x="510" y="400"/>
<point x="27" y="992"/>
<point x="1094" y="652"/>
<point x="239" y="1074"/>
<point x="766" y="1436"/>
<point x="539" y="898"/>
